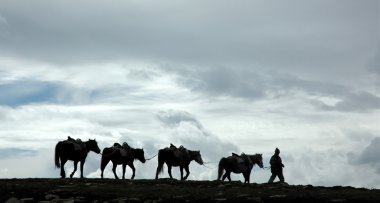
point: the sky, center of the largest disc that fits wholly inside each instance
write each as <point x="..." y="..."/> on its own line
<point x="215" y="76"/>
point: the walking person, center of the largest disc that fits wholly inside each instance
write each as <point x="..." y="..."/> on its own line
<point x="276" y="166"/>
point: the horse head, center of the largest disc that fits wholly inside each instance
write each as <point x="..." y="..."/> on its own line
<point x="258" y="159"/>
<point x="139" y="154"/>
<point x="198" y="157"/>
<point x="92" y="145"/>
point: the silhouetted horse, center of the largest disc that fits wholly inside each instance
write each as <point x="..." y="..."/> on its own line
<point x="77" y="152"/>
<point x="168" y="156"/>
<point x="238" y="165"/>
<point x="121" y="155"/>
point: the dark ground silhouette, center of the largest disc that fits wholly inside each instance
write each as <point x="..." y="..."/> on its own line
<point x="164" y="190"/>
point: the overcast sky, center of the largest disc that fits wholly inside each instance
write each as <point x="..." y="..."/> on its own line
<point x="215" y="76"/>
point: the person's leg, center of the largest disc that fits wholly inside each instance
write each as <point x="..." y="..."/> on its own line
<point x="281" y="176"/>
<point x="271" y="179"/>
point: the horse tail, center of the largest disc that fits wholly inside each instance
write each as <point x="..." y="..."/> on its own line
<point x="160" y="167"/>
<point x="221" y="167"/>
<point x="56" y="156"/>
<point x="106" y="156"/>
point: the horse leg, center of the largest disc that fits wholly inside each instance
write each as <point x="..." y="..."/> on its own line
<point x="187" y="172"/>
<point x="63" y="173"/>
<point x="75" y="169"/>
<point x="225" y="175"/>
<point x="181" y="170"/>
<point x="159" y="168"/>
<point x="246" y="177"/>
<point x="229" y="176"/>
<point x="124" y="166"/>
<point x="133" y="170"/>
<point x="103" y="165"/>
<point x="170" y="171"/>
<point x="114" y="170"/>
<point x="81" y="168"/>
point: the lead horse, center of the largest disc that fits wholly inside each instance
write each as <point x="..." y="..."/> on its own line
<point x="238" y="165"/>
<point x="168" y="156"/>
<point x="74" y="151"/>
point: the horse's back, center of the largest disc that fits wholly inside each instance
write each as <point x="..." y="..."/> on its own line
<point x="65" y="146"/>
<point x="107" y="150"/>
<point x="165" y="154"/>
<point x="68" y="150"/>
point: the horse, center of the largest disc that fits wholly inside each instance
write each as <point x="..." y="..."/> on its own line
<point x="74" y="151"/>
<point x="237" y="165"/>
<point x="121" y="155"/>
<point x="169" y="156"/>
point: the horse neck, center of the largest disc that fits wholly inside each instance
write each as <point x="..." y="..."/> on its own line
<point x="133" y="150"/>
<point x="192" y="155"/>
<point x="86" y="145"/>
<point x="253" y="159"/>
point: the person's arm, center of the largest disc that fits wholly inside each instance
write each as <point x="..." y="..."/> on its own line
<point x="280" y="161"/>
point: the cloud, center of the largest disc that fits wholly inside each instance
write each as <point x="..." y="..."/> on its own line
<point x="221" y="81"/>
<point x="256" y="86"/>
<point x="174" y="118"/>
<point x="25" y="92"/>
<point x="16" y="153"/>
<point x="189" y="132"/>
<point x="369" y="156"/>
<point x="328" y="168"/>
<point x="354" y="102"/>
<point x="40" y="164"/>
<point x="242" y="33"/>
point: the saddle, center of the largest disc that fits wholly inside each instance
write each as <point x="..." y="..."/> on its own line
<point x="243" y="159"/>
<point x="77" y="143"/>
<point x="180" y="152"/>
<point x="122" y="149"/>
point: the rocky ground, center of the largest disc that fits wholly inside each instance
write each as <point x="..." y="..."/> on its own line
<point x="164" y="190"/>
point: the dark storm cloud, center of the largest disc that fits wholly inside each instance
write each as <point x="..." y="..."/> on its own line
<point x="369" y="156"/>
<point x="221" y="81"/>
<point x="247" y="84"/>
<point x="293" y="34"/>
<point x="371" y="153"/>
<point x="360" y="101"/>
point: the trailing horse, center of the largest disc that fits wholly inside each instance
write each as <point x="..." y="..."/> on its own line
<point x="75" y="151"/>
<point x="123" y="155"/>
<point x="174" y="157"/>
<point x="237" y="164"/>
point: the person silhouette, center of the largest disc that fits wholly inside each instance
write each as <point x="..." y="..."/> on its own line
<point x="276" y="166"/>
